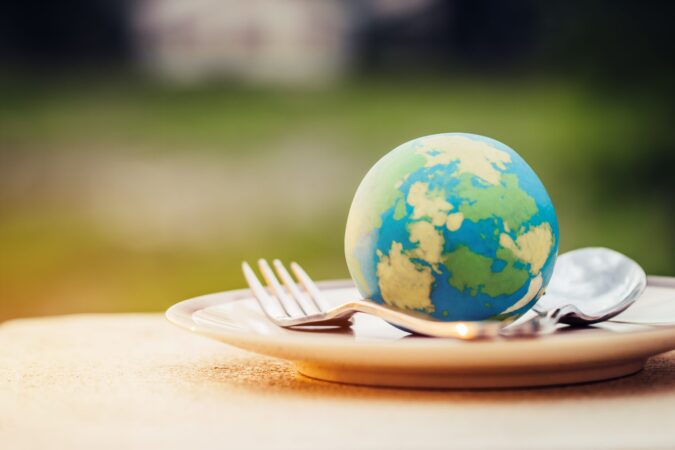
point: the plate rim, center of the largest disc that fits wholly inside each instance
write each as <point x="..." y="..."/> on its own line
<point x="180" y="314"/>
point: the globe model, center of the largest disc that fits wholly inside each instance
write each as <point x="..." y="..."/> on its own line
<point x="455" y="226"/>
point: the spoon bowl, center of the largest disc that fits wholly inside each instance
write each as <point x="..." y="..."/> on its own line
<point x="591" y="285"/>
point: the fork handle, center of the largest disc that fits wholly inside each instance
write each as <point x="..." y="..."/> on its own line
<point x="419" y="325"/>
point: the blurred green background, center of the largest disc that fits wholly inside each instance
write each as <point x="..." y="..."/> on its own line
<point x="134" y="175"/>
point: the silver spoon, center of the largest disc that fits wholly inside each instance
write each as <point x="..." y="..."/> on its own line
<point x="588" y="285"/>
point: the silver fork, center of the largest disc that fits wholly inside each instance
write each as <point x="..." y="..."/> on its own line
<point x="290" y="307"/>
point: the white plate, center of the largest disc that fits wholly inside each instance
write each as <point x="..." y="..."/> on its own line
<point x="376" y="353"/>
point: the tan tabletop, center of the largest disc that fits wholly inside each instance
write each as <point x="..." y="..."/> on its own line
<point x="134" y="381"/>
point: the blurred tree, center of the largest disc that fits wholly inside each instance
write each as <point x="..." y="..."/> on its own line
<point x="34" y="32"/>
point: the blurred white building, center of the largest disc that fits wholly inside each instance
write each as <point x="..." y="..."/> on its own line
<point x="280" y="41"/>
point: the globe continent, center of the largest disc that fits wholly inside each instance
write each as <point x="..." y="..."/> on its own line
<point x="456" y="226"/>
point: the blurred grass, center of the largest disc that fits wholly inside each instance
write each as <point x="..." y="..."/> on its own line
<point x="57" y="259"/>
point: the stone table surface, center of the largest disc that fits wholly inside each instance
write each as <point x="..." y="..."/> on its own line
<point x="133" y="381"/>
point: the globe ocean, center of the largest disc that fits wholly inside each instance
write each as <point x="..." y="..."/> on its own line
<point x="456" y="226"/>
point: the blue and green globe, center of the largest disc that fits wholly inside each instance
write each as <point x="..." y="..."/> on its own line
<point x="455" y="226"/>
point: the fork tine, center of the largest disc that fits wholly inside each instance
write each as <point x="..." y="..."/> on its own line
<point x="308" y="305"/>
<point x="270" y="306"/>
<point x="310" y="287"/>
<point x="289" y="305"/>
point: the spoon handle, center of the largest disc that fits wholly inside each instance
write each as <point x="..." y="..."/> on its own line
<point x="538" y="325"/>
